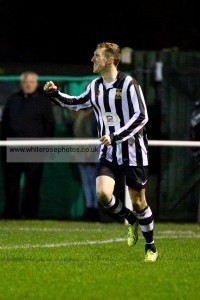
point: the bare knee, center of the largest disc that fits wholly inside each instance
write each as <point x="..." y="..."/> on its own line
<point x="104" y="189"/>
<point x="138" y="199"/>
<point x="137" y="206"/>
<point x="103" y="197"/>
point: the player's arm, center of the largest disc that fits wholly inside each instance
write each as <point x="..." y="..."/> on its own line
<point x="138" y="119"/>
<point x="65" y="100"/>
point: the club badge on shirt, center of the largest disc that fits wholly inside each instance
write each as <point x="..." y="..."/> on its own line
<point x="118" y="94"/>
<point x="110" y="119"/>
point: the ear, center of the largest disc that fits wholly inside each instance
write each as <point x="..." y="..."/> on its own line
<point x="110" y="60"/>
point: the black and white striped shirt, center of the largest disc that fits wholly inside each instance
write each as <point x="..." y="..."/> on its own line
<point x="121" y="112"/>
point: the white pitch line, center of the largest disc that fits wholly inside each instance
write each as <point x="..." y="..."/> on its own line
<point x="117" y="240"/>
<point x="58" y="229"/>
<point x="47" y="229"/>
<point x="176" y="231"/>
<point x="63" y="244"/>
<point x="181" y="236"/>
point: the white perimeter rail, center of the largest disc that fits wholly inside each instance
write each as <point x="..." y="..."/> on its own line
<point x="93" y="142"/>
<point x="89" y="142"/>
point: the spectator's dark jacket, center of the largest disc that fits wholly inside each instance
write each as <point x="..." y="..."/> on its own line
<point x="28" y="116"/>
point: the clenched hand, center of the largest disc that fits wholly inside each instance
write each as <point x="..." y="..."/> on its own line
<point x="50" y="87"/>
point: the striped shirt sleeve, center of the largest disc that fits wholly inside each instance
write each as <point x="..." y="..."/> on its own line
<point x="72" y="102"/>
<point x="138" y="119"/>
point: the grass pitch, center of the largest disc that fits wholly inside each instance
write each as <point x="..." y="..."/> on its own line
<point x="91" y="261"/>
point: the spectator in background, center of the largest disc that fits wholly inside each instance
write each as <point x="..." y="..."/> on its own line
<point x="27" y="114"/>
<point x="87" y="169"/>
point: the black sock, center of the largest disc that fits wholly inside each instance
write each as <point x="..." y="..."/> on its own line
<point x="146" y="222"/>
<point x="117" y="208"/>
<point x="131" y="217"/>
<point x="152" y="247"/>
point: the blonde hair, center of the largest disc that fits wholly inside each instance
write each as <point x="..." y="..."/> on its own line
<point x="111" y="49"/>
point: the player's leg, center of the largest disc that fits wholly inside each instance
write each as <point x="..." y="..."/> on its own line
<point x="105" y="183"/>
<point x="144" y="216"/>
<point x="136" y="180"/>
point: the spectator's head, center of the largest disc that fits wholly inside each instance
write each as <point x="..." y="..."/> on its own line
<point x="29" y="82"/>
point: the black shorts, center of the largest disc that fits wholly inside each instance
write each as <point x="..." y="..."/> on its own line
<point x="135" y="176"/>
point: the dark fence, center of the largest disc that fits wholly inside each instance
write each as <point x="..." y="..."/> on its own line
<point x="170" y="81"/>
<point x="170" y="99"/>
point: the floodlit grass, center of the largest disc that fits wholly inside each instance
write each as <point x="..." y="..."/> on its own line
<point x="77" y="260"/>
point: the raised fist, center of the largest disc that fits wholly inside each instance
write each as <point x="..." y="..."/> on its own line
<point x="50" y="87"/>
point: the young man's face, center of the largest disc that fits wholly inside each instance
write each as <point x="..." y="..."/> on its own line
<point x="100" y="61"/>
